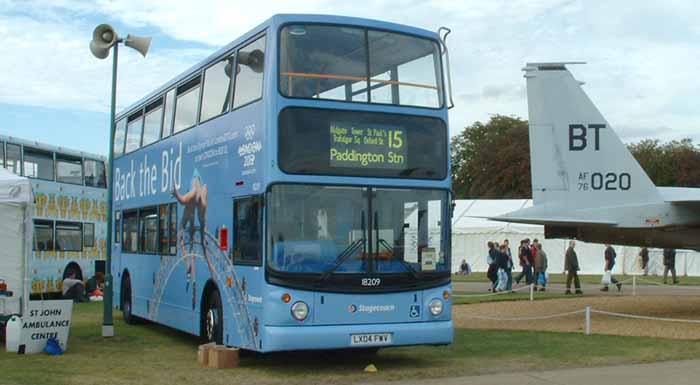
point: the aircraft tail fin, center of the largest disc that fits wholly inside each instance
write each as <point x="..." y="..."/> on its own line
<point x="577" y="160"/>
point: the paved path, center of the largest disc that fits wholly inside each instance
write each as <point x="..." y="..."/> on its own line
<point x="659" y="373"/>
<point x="482" y="287"/>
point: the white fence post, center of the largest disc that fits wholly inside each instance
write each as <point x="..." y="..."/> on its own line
<point x="588" y="321"/>
<point x="634" y="285"/>
<point x="532" y="292"/>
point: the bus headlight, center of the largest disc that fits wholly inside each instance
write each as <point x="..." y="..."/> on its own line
<point x="435" y="307"/>
<point x="300" y="310"/>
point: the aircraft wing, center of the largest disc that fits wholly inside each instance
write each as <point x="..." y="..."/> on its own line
<point x="556" y="221"/>
<point x="680" y="195"/>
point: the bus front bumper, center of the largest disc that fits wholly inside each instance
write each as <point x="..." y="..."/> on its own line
<point x="279" y="338"/>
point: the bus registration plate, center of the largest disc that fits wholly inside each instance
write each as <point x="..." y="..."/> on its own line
<point x="370" y="339"/>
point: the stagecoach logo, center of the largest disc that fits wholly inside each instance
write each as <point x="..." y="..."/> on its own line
<point x="371" y="308"/>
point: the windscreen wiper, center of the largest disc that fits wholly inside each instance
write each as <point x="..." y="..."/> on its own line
<point x="407" y="265"/>
<point x="346" y="253"/>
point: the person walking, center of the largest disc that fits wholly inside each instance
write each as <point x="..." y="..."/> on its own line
<point x="644" y="257"/>
<point x="540" y="267"/>
<point x="610" y="256"/>
<point x="509" y="266"/>
<point x="524" y="256"/>
<point x="670" y="264"/>
<point x="502" y="265"/>
<point x="571" y="266"/>
<point x="492" y="272"/>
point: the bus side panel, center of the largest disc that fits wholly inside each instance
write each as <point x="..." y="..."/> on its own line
<point x="202" y="169"/>
<point x="61" y="202"/>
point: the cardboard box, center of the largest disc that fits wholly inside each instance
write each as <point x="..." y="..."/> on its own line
<point x="221" y="357"/>
<point x="203" y="353"/>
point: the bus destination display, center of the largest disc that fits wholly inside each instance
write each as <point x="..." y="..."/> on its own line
<point x="370" y="147"/>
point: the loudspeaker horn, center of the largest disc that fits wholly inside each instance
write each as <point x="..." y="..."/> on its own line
<point x="138" y="43"/>
<point x="254" y="59"/>
<point x="103" y="38"/>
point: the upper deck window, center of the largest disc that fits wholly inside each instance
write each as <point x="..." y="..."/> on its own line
<point x="168" y="114"/>
<point x="249" y="75"/>
<point x="186" y="105"/>
<point x="38" y="163"/>
<point x="69" y="169"/>
<point x="216" y="94"/>
<point x="133" y="132"/>
<point x="151" y="125"/>
<point x="119" y="136"/>
<point x="95" y="175"/>
<point x="353" y="64"/>
<point x="12" y="158"/>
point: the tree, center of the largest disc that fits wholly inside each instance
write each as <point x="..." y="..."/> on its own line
<point x="492" y="160"/>
<point x="676" y="163"/>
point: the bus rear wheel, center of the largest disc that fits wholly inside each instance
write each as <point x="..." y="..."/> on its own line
<point x="125" y="303"/>
<point x="213" y="318"/>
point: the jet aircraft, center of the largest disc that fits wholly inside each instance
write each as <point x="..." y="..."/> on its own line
<point x="585" y="182"/>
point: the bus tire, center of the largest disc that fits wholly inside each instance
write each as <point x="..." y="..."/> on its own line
<point x="126" y="301"/>
<point x="213" y="318"/>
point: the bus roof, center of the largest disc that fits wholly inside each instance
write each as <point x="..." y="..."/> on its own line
<point x="52" y="148"/>
<point x="275" y="22"/>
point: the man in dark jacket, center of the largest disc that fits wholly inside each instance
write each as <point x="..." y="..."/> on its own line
<point x="524" y="256"/>
<point x="644" y="255"/>
<point x="572" y="268"/>
<point x="670" y="264"/>
<point x="492" y="272"/>
<point x="610" y="256"/>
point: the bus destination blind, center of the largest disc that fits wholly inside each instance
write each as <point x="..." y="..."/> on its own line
<point x="368" y="147"/>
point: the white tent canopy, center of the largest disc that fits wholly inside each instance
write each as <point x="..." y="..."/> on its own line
<point x="471" y="231"/>
<point x="16" y="205"/>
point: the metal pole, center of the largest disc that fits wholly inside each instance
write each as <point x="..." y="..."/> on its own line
<point x="588" y="320"/>
<point x="108" y="323"/>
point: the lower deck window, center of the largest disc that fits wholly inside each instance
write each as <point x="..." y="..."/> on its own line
<point x="130" y="233"/>
<point x="69" y="236"/>
<point x="43" y="235"/>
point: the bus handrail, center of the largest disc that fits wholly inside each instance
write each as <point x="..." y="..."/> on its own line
<point x="445" y="51"/>
<point x="354" y="78"/>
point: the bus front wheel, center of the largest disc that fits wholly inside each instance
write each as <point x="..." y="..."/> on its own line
<point x="213" y="318"/>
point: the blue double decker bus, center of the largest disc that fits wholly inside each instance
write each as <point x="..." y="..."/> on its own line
<point x="292" y="191"/>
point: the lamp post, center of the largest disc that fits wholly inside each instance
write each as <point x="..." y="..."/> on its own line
<point x="103" y="38"/>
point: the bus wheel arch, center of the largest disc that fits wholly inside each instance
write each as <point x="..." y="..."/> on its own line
<point x="73" y="267"/>
<point x="211" y="314"/>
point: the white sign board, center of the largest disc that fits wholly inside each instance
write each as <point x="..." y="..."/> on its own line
<point x="46" y="319"/>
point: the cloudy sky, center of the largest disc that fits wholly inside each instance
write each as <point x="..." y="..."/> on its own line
<point x="643" y="58"/>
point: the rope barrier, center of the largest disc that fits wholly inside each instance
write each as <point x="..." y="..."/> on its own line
<point x="634" y="316"/>
<point x="587" y="311"/>
<point x="491" y="294"/>
<point x="681" y="287"/>
<point x="533" y="318"/>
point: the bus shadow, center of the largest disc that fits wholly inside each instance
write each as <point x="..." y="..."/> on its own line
<point x="302" y="360"/>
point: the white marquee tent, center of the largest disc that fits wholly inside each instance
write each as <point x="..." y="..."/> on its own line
<point x="471" y="231"/>
<point x="16" y="233"/>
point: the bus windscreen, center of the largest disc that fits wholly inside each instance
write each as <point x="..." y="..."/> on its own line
<point x="352" y="143"/>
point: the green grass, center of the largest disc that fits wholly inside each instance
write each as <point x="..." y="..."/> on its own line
<point x="585" y="278"/>
<point x="154" y="355"/>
